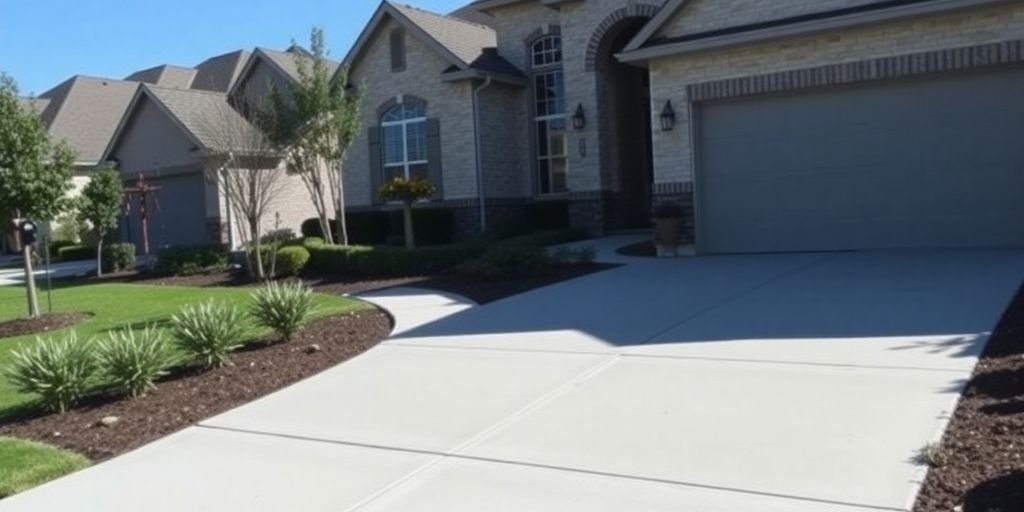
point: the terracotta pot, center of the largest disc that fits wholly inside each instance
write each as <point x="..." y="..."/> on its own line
<point x="669" y="232"/>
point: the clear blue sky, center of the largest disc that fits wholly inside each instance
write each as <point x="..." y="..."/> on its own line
<point x="43" y="42"/>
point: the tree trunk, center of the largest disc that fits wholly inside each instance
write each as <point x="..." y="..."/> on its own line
<point x="254" y="234"/>
<point x="99" y="257"/>
<point x="342" y="224"/>
<point x="410" y="238"/>
<point x="30" y="282"/>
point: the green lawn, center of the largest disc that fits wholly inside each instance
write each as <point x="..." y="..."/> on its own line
<point x="116" y="305"/>
<point x="27" y="464"/>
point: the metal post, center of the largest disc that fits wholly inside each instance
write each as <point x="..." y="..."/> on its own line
<point x="49" y="281"/>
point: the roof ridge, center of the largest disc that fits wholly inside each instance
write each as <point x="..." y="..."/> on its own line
<point x="197" y="91"/>
<point x="442" y="15"/>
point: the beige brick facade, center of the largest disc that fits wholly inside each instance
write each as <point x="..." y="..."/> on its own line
<point x="450" y="103"/>
<point x="671" y="76"/>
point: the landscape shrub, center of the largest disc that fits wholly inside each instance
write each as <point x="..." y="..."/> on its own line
<point x="291" y="260"/>
<point x="209" y="332"/>
<point x="389" y="261"/>
<point x="189" y="260"/>
<point x="76" y="253"/>
<point x="434" y="226"/>
<point x="547" y="215"/>
<point x="118" y="257"/>
<point x="312" y="242"/>
<point x="278" y="236"/>
<point x="509" y="262"/>
<point x="282" y="307"/>
<point x="569" y="255"/>
<point x="546" y="238"/>
<point x="59" y="371"/>
<point x="57" y="245"/>
<point x="133" y="363"/>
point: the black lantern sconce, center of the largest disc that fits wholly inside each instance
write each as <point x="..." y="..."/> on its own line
<point x="579" y="119"/>
<point x="668" y="117"/>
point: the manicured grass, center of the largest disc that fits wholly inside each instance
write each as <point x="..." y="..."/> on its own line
<point x="117" y="305"/>
<point x="26" y="464"/>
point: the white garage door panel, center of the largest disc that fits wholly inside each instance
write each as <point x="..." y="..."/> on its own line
<point x="931" y="163"/>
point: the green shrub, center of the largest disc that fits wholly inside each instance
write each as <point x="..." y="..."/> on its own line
<point x="57" y="245"/>
<point x="60" y="372"/>
<point x="69" y="228"/>
<point x="278" y="236"/>
<point x="118" y="257"/>
<point x="209" y="332"/>
<point x="76" y="253"/>
<point x="291" y="260"/>
<point x="134" y="363"/>
<point x="568" y="255"/>
<point x="282" y="307"/>
<point x="546" y="238"/>
<point x="434" y="226"/>
<point x="312" y="242"/>
<point x="191" y="259"/>
<point x="508" y="262"/>
<point x="548" y="215"/>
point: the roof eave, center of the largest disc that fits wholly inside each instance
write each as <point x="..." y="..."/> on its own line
<point x="477" y="74"/>
<point x="798" y="29"/>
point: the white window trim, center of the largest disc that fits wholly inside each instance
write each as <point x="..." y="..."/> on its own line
<point x="564" y="116"/>
<point x="405" y="164"/>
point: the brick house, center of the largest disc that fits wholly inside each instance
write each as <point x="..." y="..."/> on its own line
<point x="781" y="125"/>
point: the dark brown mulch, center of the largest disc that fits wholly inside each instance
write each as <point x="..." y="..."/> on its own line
<point x="984" y="444"/>
<point x="479" y="291"/>
<point x="184" y="399"/>
<point x="39" y="325"/>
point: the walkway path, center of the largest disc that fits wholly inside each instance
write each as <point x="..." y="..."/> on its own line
<point x="779" y="383"/>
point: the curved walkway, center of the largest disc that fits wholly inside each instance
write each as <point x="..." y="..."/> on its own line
<point x="775" y="383"/>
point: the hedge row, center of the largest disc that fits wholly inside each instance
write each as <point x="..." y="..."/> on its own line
<point x="361" y="260"/>
<point x="434" y="226"/>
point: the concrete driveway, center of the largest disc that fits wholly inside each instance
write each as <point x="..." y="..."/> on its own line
<point x="13" y="276"/>
<point x="772" y="383"/>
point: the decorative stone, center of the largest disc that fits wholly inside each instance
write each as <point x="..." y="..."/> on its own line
<point x="313" y="349"/>
<point x="109" y="421"/>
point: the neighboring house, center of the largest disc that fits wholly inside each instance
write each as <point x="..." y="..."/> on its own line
<point x="166" y="131"/>
<point x="780" y="125"/>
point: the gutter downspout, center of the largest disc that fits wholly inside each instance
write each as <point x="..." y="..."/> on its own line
<point x="479" y="155"/>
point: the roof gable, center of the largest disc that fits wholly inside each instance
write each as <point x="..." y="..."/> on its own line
<point x="165" y="75"/>
<point x="458" y="41"/>
<point x="84" y="112"/>
<point x="282" y="62"/>
<point x="221" y="72"/>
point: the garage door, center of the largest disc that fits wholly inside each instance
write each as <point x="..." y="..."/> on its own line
<point x="930" y="163"/>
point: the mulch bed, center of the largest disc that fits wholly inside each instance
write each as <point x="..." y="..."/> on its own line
<point x="39" y="325"/>
<point x="984" y="445"/>
<point x="479" y="291"/>
<point x="193" y="395"/>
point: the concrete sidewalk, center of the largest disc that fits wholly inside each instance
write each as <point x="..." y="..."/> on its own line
<point x="792" y="383"/>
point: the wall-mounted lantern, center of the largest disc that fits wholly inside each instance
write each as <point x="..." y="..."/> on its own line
<point x="579" y="119"/>
<point x="668" y="117"/>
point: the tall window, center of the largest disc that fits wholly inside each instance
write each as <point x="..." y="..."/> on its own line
<point x="404" y="139"/>
<point x="549" y="115"/>
<point x="397" y="49"/>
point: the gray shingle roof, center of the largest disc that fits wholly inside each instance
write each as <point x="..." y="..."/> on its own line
<point x="165" y="76"/>
<point x="220" y="73"/>
<point x="464" y="39"/>
<point x="207" y="116"/>
<point x="286" y="60"/>
<point x="85" y="111"/>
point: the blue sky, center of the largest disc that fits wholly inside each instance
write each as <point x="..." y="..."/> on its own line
<point x="43" y="42"/>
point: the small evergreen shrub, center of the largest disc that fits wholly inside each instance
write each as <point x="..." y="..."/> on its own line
<point x="59" y="371"/>
<point x="76" y="253"/>
<point x="291" y="260"/>
<point x="118" y="257"/>
<point x="133" y="362"/>
<point x="282" y="307"/>
<point x="509" y="262"/>
<point x="548" y="215"/>
<point x="573" y="255"/>
<point x="57" y="245"/>
<point x="191" y="260"/>
<point x="209" y="332"/>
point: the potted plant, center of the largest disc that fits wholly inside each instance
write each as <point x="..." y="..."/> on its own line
<point x="407" y="191"/>
<point x="668" y="225"/>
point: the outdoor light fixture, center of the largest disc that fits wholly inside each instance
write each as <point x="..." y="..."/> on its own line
<point x="579" y="119"/>
<point x="668" y="117"/>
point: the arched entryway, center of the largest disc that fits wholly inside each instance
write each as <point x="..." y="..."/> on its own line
<point x="624" y="105"/>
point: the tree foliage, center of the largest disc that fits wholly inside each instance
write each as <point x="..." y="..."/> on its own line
<point x="315" y="121"/>
<point x="100" y="205"/>
<point x="35" y="173"/>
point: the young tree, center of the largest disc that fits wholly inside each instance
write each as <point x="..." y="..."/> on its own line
<point x="316" y="120"/>
<point x="100" y="205"/>
<point x="247" y="170"/>
<point x="35" y="173"/>
<point x="408" y="191"/>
